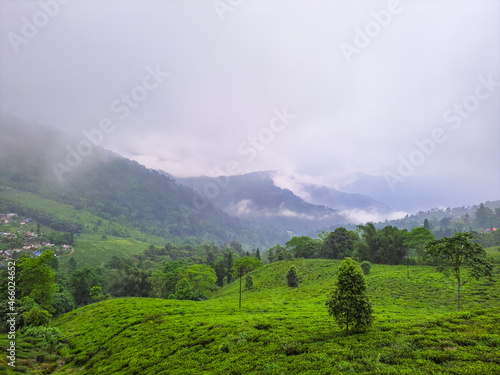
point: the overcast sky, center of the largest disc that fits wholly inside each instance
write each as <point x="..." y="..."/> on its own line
<point x="359" y="82"/>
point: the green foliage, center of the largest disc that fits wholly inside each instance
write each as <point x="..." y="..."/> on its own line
<point x="71" y="265"/>
<point x="91" y="250"/>
<point x="339" y="244"/>
<point x="36" y="279"/>
<point x="195" y="282"/>
<point x="461" y="257"/>
<point x="303" y="247"/>
<point x="96" y="295"/>
<point x="49" y="335"/>
<point x="36" y="317"/>
<point x="202" y="279"/>
<point x="248" y="282"/>
<point x="292" y="278"/>
<point x="158" y="282"/>
<point x="220" y="271"/>
<point x="184" y="289"/>
<point x="416" y="240"/>
<point x="228" y="264"/>
<point x="244" y="265"/>
<point x="348" y="303"/>
<point x="278" y="253"/>
<point x="130" y="282"/>
<point x="80" y="283"/>
<point x="415" y="329"/>
<point x="485" y="216"/>
<point x="63" y="302"/>
<point x="366" y="266"/>
<point x="385" y="246"/>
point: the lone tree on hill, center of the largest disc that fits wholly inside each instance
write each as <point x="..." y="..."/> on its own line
<point x="292" y="278"/>
<point x="348" y="303"/>
<point x="461" y="257"/>
<point x="242" y="266"/>
<point x="416" y="239"/>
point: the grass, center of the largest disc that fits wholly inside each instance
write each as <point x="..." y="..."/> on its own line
<point x="66" y="213"/>
<point x="283" y="330"/>
<point x="92" y="250"/>
<point x="494" y="253"/>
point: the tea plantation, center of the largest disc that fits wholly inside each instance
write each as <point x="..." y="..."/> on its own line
<point x="282" y="330"/>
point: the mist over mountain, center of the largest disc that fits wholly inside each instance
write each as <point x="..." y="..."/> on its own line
<point x="258" y="196"/>
<point x="67" y="169"/>
<point x="254" y="197"/>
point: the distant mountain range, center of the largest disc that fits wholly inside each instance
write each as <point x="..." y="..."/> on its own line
<point x="255" y="197"/>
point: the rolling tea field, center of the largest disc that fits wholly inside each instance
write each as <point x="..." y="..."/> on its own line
<point x="280" y="330"/>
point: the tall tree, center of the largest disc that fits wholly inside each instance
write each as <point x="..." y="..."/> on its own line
<point x="211" y="256"/>
<point x="36" y="279"/>
<point x="80" y="283"/>
<point x="348" y="302"/>
<point x="130" y="282"/>
<point x="158" y="282"/>
<point x="236" y="246"/>
<point x="338" y="244"/>
<point x="278" y="252"/>
<point x="228" y="263"/>
<point x="461" y="257"/>
<point x="416" y="240"/>
<point x="369" y="236"/>
<point x="220" y="271"/>
<point x="257" y="254"/>
<point x="242" y="266"/>
<point x="426" y="224"/>
<point x="174" y="271"/>
<point x="484" y="216"/>
<point x="202" y="278"/>
<point x="392" y="249"/>
<point x="303" y="247"/>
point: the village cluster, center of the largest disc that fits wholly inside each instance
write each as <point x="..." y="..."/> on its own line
<point x="28" y="242"/>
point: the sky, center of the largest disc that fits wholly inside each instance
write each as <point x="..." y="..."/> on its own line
<point x="316" y="90"/>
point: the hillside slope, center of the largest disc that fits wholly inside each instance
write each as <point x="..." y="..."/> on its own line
<point x="283" y="330"/>
<point x="53" y="165"/>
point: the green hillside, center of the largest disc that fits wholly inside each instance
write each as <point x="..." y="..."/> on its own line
<point x="33" y="159"/>
<point x="90" y="248"/>
<point x="64" y="217"/>
<point x="284" y="330"/>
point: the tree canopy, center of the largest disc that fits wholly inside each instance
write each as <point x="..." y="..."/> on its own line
<point x="461" y="257"/>
<point x="348" y="302"/>
<point x="36" y="279"/>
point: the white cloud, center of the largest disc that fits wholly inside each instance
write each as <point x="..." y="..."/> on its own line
<point x="359" y="216"/>
<point x="241" y="208"/>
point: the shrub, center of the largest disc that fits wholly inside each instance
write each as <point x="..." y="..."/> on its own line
<point x="292" y="278"/>
<point x="248" y="282"/>
<point x="50" y="335"/>
<point x="37" y="317"/>
<point x="366" y="266"/>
